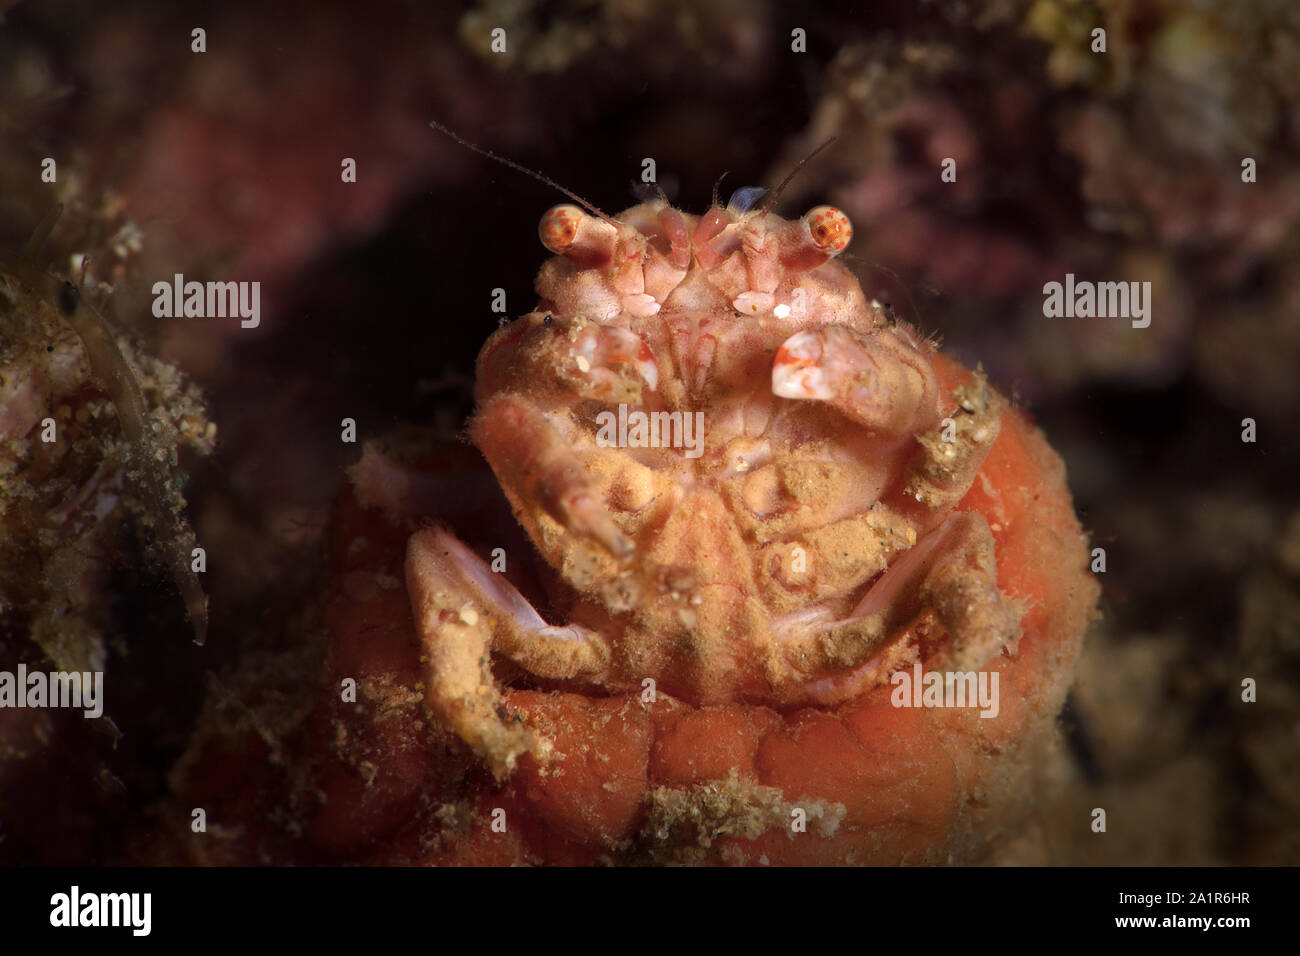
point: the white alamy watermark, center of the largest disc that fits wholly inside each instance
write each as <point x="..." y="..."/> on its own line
<point x="640" y="429"/>
<point x="1102" y="300"/>
<point x="76" y="689"/>
<point x="917" y="688"/>
<point x="75" y="908"/>
<point x="208" y="300"/>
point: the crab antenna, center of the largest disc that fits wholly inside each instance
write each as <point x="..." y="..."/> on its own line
<point x="776" y="193"/>
<point x="717" y="185"/>
<point x="522" y="169"/>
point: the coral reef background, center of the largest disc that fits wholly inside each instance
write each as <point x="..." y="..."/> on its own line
<point x="1122" y="166"/>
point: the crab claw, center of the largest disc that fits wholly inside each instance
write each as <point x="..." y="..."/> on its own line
<point x="878" y="380"/>
<point x="798" y="372"/>
<point x="598" y="347"/>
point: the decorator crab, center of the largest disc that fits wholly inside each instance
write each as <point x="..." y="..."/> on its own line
<point x="805" y="549"/>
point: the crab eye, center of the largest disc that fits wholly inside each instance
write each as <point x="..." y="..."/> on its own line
<point x="830" y="229"/>
<point x="559" y="227"/>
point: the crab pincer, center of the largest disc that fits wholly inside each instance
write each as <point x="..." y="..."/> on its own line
<point x="877" y="379"/>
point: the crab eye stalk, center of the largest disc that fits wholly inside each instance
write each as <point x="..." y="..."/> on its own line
<point x="559" y="227"/>
<point x="829" y="228"/>
<point x="586" y="240"/>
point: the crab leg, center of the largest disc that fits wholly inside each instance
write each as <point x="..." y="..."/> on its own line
<point x="962" y="586"/>
<point x="463" y="612"/>
<point x="944" y="472"/>
<point x="950" y="569"/>
<point x="535" y="464"/>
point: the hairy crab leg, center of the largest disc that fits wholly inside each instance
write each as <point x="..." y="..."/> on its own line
<point x="942" y="475"/>
<point x="950" y="569"/>
<point x="463" y="612"/>
<point x="535" y="464"/>
<point x="962" y="587"/>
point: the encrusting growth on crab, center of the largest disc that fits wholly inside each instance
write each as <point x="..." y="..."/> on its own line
<point x="942" y="475"/>
<point x="796" y="558"/>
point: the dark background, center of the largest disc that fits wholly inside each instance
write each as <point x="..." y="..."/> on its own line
<point x="1118" y="166"/>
